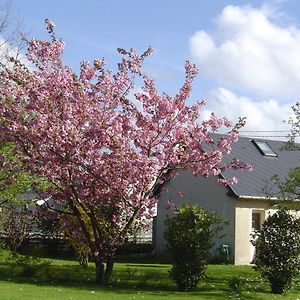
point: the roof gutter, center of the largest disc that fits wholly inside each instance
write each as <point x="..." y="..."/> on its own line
<point x="250" y="197"/>
<point x="257" y="197"/>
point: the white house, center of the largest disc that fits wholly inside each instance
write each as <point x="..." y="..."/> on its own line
<point x="245" y="205"/>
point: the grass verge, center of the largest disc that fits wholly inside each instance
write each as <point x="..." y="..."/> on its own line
<point x="64" y="279"/>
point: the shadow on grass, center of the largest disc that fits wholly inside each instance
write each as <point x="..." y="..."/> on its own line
<point x="148" y="266"/>
<point x="127" y="278"/>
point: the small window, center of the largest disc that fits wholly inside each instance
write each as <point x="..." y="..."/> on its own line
<point x="256" y="221"/>
<point x="264" y="148"/>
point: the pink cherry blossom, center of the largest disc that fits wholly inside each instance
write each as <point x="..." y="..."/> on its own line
<point x="104" y="154"/>
<point x="180" y="194"/>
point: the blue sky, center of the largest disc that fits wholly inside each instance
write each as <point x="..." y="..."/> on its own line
<point x="247" y="51"/>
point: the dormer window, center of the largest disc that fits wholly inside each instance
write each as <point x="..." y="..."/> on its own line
<point x="264" y="148"/>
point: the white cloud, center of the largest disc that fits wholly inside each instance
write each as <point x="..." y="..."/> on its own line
<point x="263" y="116"/>
<point x="251" y="52"/>
<point x="7" y="50"/>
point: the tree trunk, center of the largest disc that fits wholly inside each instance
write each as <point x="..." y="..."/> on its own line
<point x="84" y="259"/>
<point x="109" y="268"/>
<point x="103" y="274"/>
<point x="99" y="271"/>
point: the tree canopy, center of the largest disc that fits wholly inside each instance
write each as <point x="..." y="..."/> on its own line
<point x="103" y="140"/>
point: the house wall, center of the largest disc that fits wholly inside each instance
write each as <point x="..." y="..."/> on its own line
<point x="205" y="192"/>
<point x="244" y="251"/>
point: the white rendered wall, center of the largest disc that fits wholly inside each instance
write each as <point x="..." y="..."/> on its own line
<point x="205" y="192"/>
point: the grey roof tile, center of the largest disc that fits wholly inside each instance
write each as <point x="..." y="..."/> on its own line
<point x="264" y="167"/>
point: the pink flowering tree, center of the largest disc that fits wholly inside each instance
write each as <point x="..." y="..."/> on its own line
<point x="103" y="149"/>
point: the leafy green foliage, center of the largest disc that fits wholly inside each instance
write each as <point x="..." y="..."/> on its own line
<point x="189" y="239"/>
<point x="290" y="187"/>
<point x="30" y="265"/>
<point x="14" y="180"/>
<point x="277" y="248"/>
<point x="16" y="227"/>
<point x="76" y="239"/>
<point x="236" y="285"/>
<point x="16" y="223"/>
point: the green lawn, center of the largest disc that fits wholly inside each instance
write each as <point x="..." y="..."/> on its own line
<point x="63" y="279"/>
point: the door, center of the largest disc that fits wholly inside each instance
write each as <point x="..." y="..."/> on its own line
<point x="257" y="219"/>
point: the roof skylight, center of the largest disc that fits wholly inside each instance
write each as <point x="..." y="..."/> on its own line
<point x="264" y="148"/>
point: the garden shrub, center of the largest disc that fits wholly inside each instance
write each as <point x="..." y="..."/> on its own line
<point x="132" y="247"/>
<point x="189" y="236"/>
<point x="236" y="285"/>
<point x="277" y="250"/>
<point x="30" y="265"/>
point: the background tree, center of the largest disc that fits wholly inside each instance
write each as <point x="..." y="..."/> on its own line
<point x="13" y="181"/>
<point x="102" y="150"/>
<point x="295" y="122"/>
<point x="11" y="41"/>
<point x="289" y="189"/>
<point x="277" y="250"/>
<point x="189" y="235"/>
<point x="76" y="238"/>
<point x="17" y="226"/>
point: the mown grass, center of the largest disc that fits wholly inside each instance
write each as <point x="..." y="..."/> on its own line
<point x="64" y="279"/>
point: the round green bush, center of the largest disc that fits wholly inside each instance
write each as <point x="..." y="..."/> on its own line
<point x="277" y="250"/>
<point x="189" y="236"/>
